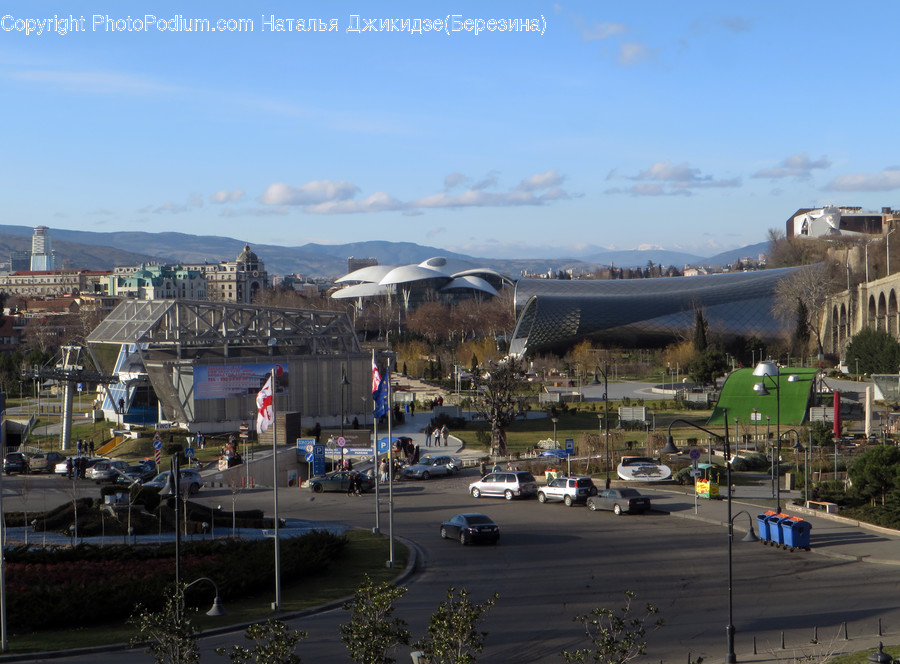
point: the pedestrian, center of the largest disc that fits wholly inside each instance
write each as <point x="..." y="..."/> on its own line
<point x="91" y="446"/>
<point x="412" y="408"/>
<point x="445" y="434"/>
<point x="78" y="446"/>
<point x="383" y="471"/>
<point x="436" y="437"/>
<point x="69" y="467"/>
<point x="427" y="436"/>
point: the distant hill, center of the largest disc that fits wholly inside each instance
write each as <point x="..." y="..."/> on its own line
<point x="104" y="251"/>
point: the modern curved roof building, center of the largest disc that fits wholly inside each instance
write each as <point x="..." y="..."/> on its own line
<point x="553" y="315"/>
<point x="437" y="274"/>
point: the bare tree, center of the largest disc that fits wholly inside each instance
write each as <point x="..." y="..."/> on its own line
<point x="812" y="286"/>
<point x="496" y="399"/>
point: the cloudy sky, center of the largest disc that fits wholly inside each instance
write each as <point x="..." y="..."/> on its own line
<point x="691" y="125"/>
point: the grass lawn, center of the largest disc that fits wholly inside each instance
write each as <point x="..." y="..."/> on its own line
<point x="366" y="553"/>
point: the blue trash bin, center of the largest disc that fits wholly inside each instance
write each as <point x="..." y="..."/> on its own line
<point x="776" y="538"/>
<point x="795" y="533"/>
<point x="762" y="520"/>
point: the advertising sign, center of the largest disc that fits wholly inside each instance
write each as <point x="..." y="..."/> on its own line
<point x="318" y="460"/>
<point x="222" y="381"/>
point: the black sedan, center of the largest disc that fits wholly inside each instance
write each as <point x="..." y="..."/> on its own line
<point x="619" y="501"/>
<point x="471" y="529"/>
<point x="339" y="480"/>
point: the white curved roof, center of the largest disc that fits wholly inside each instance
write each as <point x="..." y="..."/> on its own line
<point x="360" y="290"/>
<point x="406" y="273"/>
<point x="470" y="282"/>
<point x="481" y="271"/>
<point x="371" y="274"/>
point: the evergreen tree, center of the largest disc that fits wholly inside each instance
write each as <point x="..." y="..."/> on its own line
<point x="701" y="328"/>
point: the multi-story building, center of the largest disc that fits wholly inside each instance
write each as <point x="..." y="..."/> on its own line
<point x="54" y="283"/>
<point x="832" y="221"/>
<point x="42" y="257"/>
<point x="155" y="282"/>
<point x="234" y="281"/>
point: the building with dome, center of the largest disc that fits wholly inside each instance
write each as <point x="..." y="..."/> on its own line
<point x="155" y="282"/>
<point x="435" y="278"/>
<point x="234" y="281"/>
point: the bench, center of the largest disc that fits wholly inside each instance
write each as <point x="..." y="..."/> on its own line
<point x="825" y="506"/>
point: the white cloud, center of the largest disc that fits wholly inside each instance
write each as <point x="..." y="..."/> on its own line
<point x="454" y="180"/>
<point x="312" y="193"/>
<point x="798" y="166"/>
<point x="634" y="53"/>
<point x="541" y="181"/>
<point x="886" y="180"/>
<point x="666" y="179"/>
<point x="224" y="196"/>
<point x="91" y="82"/>
<point x="601" y="31"/>
<point x="377" y="202"/>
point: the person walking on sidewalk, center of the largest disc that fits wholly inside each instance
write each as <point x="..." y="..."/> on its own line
<point x="445" y="434"/>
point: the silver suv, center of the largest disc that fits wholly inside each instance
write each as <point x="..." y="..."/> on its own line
<point x="570" y="490"/>
<point x="506" y="483"/>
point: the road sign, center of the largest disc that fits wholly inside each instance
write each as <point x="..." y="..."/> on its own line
<point x="696" y="473"/>
<point x="318" y="459"/>
<point x="341" y="441"/>
<point x="309" y="448"/>
<point x="309" y="457"/>
<point x="157" y="444"/>
<point x="570" y="444"/>
<point x="695" y="454"/>
<point x="189" y="452"/>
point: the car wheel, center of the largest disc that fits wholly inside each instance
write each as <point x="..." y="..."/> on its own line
<point x="508" y="494"/>
<point x="617" y="510"/>
<point x="194" y="490"/>
<point x="443" y="533"/>
<point x="568" y="501"/>
<point x="592" y="506"/>
<point x="426" y="475"/>
<point x="318" y="488"/>
<point x="463" y="539"/>
<point x="541" y="497"/>
<point x="476" y="493"/>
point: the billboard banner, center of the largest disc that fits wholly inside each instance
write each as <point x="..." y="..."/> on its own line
<point x="222" y="381"/>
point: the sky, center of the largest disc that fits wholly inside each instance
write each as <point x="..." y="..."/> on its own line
<point x="692" y="126"/>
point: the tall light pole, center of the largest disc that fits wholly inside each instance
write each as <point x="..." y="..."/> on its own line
<point x="554" y="420"/>
<point x="887" y="239"/>
<point x="344" y="384"/>
<point x="605" y="372"/>
<point x="768" y="370"/>
<point x="730" y="657"/>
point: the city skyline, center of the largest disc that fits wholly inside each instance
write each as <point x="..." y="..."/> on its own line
<point x="694" y="127"/>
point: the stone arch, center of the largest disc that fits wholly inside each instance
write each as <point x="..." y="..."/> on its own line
<point x="892" y="322"/>
<point x="872" y="313"/>
<point x="881" y="322"/>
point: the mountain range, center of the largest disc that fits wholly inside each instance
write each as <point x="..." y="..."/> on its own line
<point x="104" y="251"/>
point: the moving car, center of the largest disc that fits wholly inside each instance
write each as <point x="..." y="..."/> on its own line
<point x="44" y="462"/>
<point x="432" y="466"/>
<point x="620" y="501"/>
<point x="189" y="478"/>
<point x="471" y="529"/>
<point x="339" y="480"/>
<point x="570" y="490"/>
<point x="506" y="483"/>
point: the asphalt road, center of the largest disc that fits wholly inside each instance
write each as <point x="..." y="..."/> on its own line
<point x="554" y="563"/>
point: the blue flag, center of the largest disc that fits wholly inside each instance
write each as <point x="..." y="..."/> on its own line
<point x="381" y="395"/>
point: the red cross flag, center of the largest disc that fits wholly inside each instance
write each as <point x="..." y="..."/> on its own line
<point x="265" y="407"/>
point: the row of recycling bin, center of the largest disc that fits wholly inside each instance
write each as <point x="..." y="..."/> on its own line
<point x="783" y="531"/>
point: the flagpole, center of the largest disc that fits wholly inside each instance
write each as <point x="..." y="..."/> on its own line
<point x="390" y="414"/>
<point x="377" y="468"/>
<point x="277" y="603"/>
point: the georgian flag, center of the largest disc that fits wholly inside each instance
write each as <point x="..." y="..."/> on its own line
<point x="376" y="378"/>
<point x="265" y="408"/>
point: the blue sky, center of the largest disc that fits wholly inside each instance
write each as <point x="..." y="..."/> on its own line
<point x="693" y="125"/>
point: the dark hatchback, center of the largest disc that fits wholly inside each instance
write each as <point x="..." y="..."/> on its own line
<point x="471" y="529"/>
<point x="15" y="462"/>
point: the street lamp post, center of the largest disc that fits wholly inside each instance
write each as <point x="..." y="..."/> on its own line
<point x="605" y="372"/>
<point x="730" y="657"/>
<point x="769" y="370"/>
<point x="344" y="384"/>
<point x="798" y="450"/>
<point x="554" y="420"/>
<point x="887" y="239"/>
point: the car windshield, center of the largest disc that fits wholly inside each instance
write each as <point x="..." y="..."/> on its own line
<point x="630" y="493"/>
<point x="427" y="461"/>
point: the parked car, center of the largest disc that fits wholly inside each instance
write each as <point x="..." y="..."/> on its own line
<point x="339" y="480"/>
<point x="471" y="529"/>
<point x="432" y="466"/>
<point x="570" y="490"/>
<point x="143" y="471"/>
<point x="44" y="462"/>
<point x="15" y="462"/>
<point x="507" y="483"/>
<point x="620" y="501"/>
<point x="107" y="470"/>
<point x="190" y="478"/>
